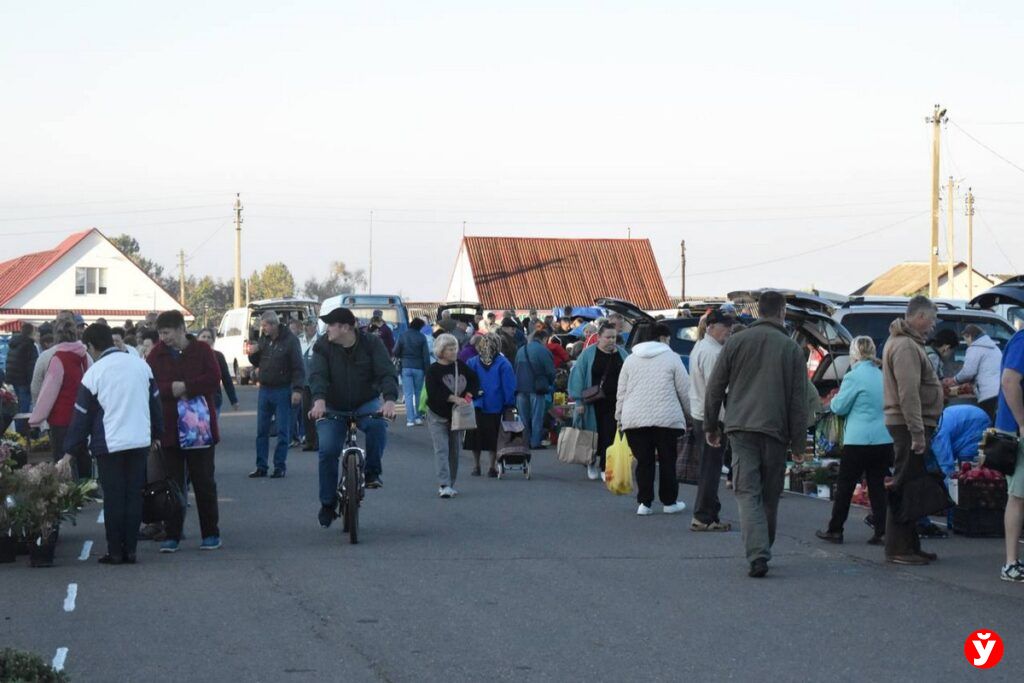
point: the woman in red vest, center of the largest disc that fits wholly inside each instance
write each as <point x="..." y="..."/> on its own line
<point x="56" y="403"/>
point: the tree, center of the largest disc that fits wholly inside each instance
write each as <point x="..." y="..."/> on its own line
<point x="274" y="282"/>
<point x="129" y="246"/>
<point x="339" y="280"/>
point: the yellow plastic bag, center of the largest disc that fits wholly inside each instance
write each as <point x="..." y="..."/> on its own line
<point x="618" y="468"/>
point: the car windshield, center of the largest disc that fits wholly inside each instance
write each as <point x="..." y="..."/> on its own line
<point x="363" y="314"/>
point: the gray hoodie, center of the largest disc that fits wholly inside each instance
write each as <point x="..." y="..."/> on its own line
<point x="982" y="366"/>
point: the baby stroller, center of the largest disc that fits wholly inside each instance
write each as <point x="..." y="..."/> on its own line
<point x="513" y="449"/>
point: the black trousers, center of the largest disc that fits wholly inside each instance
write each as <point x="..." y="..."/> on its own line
<point x="200" y="472"/>
<point x="122" y="474"/>
<point x="81" y="461"/>
<point x="655" y="446"/>
<point x="707" y="505"/>
<point x="990" y="405"/>
<point x="901" y="538"/>
<point x="606" y="428"/>
<point x="872" y="463"/>
<point x="310" y="426"/>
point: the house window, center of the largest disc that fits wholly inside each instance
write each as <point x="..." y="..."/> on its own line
<point x="90" y="280"/>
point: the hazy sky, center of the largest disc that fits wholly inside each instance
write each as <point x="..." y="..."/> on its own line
<point x="752" y="132"/>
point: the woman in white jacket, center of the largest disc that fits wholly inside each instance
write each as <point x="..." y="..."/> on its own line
<point x="650" y="409"/>
<point x="983" y="366"/>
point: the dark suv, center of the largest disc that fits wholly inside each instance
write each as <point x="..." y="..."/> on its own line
<point x="1006" y="299"/>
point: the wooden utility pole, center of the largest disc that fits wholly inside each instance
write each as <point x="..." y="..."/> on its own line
<point x="682" y="270"/>
<point x="238" y="251"/>
<point x="933" y="262"/>
<point x="369" y="281"/>
<point x="970" y="244"/>
<point x="951" y="265"/>
<point x="181" y="276"/>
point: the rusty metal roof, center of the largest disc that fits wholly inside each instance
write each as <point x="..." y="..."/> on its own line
<point x="17" y="273"/>
<point x="520" y="272"/>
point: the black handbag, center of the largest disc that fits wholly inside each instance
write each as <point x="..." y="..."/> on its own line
<point x="999" y="451"/>
<point x="921" y="496"/>
<point x="596" y="393"/>
<point x="163" y="500"/>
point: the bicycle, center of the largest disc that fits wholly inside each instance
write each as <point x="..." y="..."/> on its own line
<point x="352" y="484"/>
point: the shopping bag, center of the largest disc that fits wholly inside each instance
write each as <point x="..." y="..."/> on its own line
<point x="618" y="469"/>
<point x="828" y="435"/>
<point x="194" y="424"/>
<point x="576" y="446"/>
<point x="463" y="418"/>
<point x="687" y="458"/>
<point x="422" y="407"/>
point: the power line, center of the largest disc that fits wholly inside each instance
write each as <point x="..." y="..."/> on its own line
<point x="995" y="239"/>
<point x="133" y="226"/>
<point x="207" y="240"/>
<point x="997" y="154"/>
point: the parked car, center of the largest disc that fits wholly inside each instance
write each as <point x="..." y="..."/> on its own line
<point x="396" y="315"/>
<point x="1005" y="299"/>
<point x="241" y="325"/>
<point x="465" y="311"/>
<point x="684" y="330"/>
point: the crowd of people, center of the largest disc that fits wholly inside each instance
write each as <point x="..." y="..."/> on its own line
<point x="113" y="394"/>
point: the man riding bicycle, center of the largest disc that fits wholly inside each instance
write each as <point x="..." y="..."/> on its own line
<point x="350" y="372"/>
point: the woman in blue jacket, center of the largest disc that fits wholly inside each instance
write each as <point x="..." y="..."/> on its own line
<point x="867" y="446"/>
<point x="497" y="395"/>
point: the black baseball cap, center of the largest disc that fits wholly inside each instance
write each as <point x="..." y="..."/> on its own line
<point x="339" y="315"/>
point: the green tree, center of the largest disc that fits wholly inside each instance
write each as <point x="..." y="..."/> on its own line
<point x="339" y="280"/>
<point x="274" y="282"/>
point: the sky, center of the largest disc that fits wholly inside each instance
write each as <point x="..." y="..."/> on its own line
<point x="787" y="144"/>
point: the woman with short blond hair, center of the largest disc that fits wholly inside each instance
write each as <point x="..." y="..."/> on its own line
<point x="449" y="382"/>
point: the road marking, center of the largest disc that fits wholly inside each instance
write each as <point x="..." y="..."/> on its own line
<point x="69" y="601"/>
<point x="99" y="520"/>
<point x="58" y="659"/>
<point x="86" y="548"/>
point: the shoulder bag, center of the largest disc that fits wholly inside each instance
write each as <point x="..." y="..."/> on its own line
<point x="162" y="500"/>
<point x="921" y="496"/>
<point x="463" y="417"/>
<point x="596" y="393"/>
<point x="999" y="451"/>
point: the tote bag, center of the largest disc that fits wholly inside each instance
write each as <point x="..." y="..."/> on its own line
<point x="463" y="417"/>
<point x="576" y="446"/>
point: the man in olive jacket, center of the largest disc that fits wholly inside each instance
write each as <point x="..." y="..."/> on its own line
<point x="765" y="375"/>
<point x="913" y="400"/>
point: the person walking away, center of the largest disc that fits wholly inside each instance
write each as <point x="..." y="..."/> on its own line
<point x="941" y="351"/>
<point x="188" y="376"/>
<point x="598" y="366"/>
<point x="207" y="336"/>
<point x="983" y="366"/>
<point x="449" y="383"/>
<point x="306" y="343"/>
<point x="118" y="412"/>
<point x="913" y="404"/>
<point x="282" y="377"/>
<point x="56" y="401"/>
<point x="707" y="506"/>
<point x="414" y="353"/>
<point x="350" y="372"/>
<point x="535" y="373"/>
<point x="21" y="361"/>
<point x="764" y="373"/>
<point x="651" y="407"/>
<point x="1010" y="418"/>
<point x="381" y="329"/>
<point x="867" y="445"/>
<point x="496" y="398"/>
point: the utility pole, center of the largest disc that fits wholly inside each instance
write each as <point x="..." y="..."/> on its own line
<point x="181" y="276"/>
<point x="682" y="270"/>
<point x="369" y="282"/>
<point x="933" y="261"/>
<point x="238" y="251"/>
<point x="629" y="232"/>
<point x="950" y="266"/>
<point x="970" y="244"/>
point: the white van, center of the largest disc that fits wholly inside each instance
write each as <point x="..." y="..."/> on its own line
<point x="240" y="325"/>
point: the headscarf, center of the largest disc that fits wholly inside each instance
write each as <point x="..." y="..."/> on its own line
<point x="488" y="346"/>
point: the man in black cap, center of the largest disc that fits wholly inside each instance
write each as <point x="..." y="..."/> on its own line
<point x="350" y="371"/>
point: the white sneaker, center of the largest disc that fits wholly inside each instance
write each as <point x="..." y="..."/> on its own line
<point x="452" y="491"/>
<point x="419" y="422"/>
<point x="593" y="474"/>
<point x="445" y="492"/>
<point x="410" y="424"/>
<point x="643" y="510"/>
<point x="674" y="509"/>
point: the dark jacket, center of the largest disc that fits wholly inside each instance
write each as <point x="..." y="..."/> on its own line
<point x="280" y="361"/>
<point x="197" y="367"/>
<point x="440" y="384"/>
<point x="385" y="334"/>
<point x="535" y="369"/>
<point x="226" y="380"/>
<point x="766" y="377"/>
<point x="412" y="350"/>
<point x="349" y="378"/>
<point x="21" y="360"/>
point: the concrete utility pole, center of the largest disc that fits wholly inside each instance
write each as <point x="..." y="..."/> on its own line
<point x="970" y="244"/>
<point x="933" y="262"/>
<point x="682" y="270"/>
<point x="951" y="266"/>
<point x="369" y="281"/>
<point x="181" y="276"/>
<point x="238" y="251"/>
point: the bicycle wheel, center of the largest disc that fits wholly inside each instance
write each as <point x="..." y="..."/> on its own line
<point x="352" y="497"/>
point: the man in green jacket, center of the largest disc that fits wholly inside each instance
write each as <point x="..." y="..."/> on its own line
<point x="765" y="375"/>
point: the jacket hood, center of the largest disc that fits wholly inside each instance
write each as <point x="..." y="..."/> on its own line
<point x="651" y="349"/>
<point x="985" y="341"/>
<point x="75" y="347"/>
<point x="901" y="328"/>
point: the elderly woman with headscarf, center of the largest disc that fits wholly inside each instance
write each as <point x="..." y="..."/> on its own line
<point x="497" y="396"/>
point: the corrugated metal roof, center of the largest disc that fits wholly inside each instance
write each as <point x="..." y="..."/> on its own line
<point x="909" y="278"/>
<point x="519" y="272"/>
<point x="17" y="273"/>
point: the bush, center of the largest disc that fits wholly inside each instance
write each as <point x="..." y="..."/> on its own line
<point x="26" y="667"/>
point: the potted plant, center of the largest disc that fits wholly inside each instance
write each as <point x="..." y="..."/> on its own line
<point x="16" y="665"/>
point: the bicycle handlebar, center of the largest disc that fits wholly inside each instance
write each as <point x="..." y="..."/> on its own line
<point x="347" y="415"/>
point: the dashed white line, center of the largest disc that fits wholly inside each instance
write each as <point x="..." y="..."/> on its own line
<point x="58" y="659"/>
<point x="86" y="548"/>
<point x="99" y="520"/>
<point x="69" y="601"/>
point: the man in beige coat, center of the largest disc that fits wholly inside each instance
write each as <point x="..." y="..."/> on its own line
<point x="913" y="405"/>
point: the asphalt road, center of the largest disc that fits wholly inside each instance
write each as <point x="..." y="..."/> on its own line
<point x="549" y="579"/>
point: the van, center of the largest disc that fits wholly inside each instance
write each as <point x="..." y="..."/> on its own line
<point x="363" y="305"/>
<point x="241" y="325"/>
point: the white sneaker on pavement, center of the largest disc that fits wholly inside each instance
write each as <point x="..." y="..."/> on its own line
<point x="674" y="509"/>
<point x="643" y="510"/>
<point x="452" y="491"/>
<point x="445" y="492"/>
<point x="593" y="474"/>
<point x="419" y="422"/>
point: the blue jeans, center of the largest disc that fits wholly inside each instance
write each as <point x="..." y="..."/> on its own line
<point x="298" y="424"/>
<point x="532" y="408"/>
<point x="273" y="403"/>
<point x="412" y="384"/>
<point x="24" y="394"/>
<point x="332" y="434"/>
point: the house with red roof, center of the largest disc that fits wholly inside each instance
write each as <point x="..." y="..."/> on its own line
<point x="520" y="273"/>
<point x="86" y="274"/>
